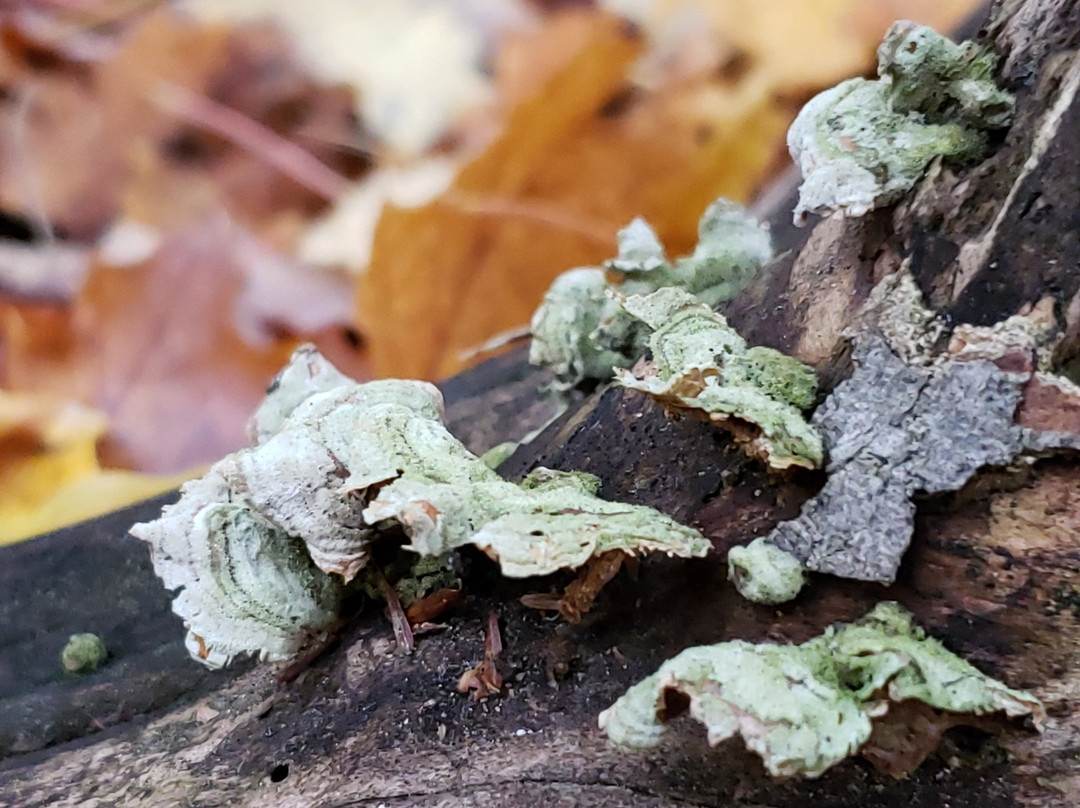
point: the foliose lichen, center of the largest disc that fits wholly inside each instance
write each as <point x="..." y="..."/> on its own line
<point x="804" y="708"/>
<point x="553" y="520"/>
<point x="84" y="653"/>
<point x="262" y="547"/>
<point x="580" y="332"/>
<point x="702" y="365"/>
<point x="863" y="144"/>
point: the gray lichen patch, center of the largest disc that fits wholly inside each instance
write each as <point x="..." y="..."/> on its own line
<point x="261" y="548"/>
<point x="84" y="653"/>
<point x="901" y="427"/>
<point x="701" y="365"/>
<point x="863" y="144"/>
<point x="580" y="332"/>
<point x="805" y="708"/>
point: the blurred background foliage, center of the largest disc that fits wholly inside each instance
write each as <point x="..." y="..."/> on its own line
<point x="190" y="189"/>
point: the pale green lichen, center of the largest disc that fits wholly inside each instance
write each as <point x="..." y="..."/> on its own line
<point x="701" y="364"/>
<point x="499" y="453"/>
<point x="84" y="653"/>
<point x="553" y="520"/>
<point x="580" y="332"/>
<point x="764" y="573"/>
<point x="307" y="373"/>
<point x="412" y="577"/>
<point x="261" y="547"/>
<point x="805" y="708"/>
<point x="863" y="144"/>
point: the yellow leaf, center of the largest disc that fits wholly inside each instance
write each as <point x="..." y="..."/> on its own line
<point x="49" y="472"/>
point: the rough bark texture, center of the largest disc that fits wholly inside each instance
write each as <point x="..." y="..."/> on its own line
<point x="994" y="571"/>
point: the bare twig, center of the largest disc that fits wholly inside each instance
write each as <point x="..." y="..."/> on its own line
<point x="402" y="630"/>
<point x="249" y="134"/>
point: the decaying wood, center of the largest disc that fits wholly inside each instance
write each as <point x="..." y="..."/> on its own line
<point x="994" y="570"/>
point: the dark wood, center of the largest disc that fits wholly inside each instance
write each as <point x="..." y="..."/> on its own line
<point x="994" y="570"/>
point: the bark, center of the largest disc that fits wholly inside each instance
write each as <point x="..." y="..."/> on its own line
<point x="994" y="571"/>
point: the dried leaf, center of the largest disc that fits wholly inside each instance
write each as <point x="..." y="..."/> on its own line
<point x="580" y="594"/>
<point x="430" y="607"/>
<point x="485" y="679"/>
<point x="157" y="348"/>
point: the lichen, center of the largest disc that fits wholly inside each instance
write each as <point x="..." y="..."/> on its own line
<point x="702" y="365"/>
<point x="262" y="546"/>
<point x="863" y="144"/>
<point x="764" y="573"/>
<point x="805" y="708"/>
<point x="499" y="453"/>
<point x="911" y="421"/>
<point x="84" y="653"/>
<point x="307" y="373"/>
<point x="580" y="332"/>
<point x="553" y="520"/>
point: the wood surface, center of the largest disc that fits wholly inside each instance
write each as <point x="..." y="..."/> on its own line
<point x="993" y="571"/>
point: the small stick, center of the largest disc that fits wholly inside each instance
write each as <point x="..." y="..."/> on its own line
<point x="402" y="630"/>
<point x="249" y="134"/>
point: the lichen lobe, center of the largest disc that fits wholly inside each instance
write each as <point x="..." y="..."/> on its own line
<point x="805" y="708"/>
<point x="863" y="144"/>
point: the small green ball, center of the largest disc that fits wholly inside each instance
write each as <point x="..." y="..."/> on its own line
<point x="764" y="573"/>
<point x="84" y="653"/>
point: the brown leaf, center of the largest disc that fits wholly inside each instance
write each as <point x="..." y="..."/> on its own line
<point x="402" y="630"/>
<point x="429" y="607"/>
<point x="157" y="349"/>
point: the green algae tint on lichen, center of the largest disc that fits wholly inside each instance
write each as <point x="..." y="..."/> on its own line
<point x="580" y="332"/>
<point x="804" y="708"/>
<point x="702" y="365"/>
<point x="863" y="144"/>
